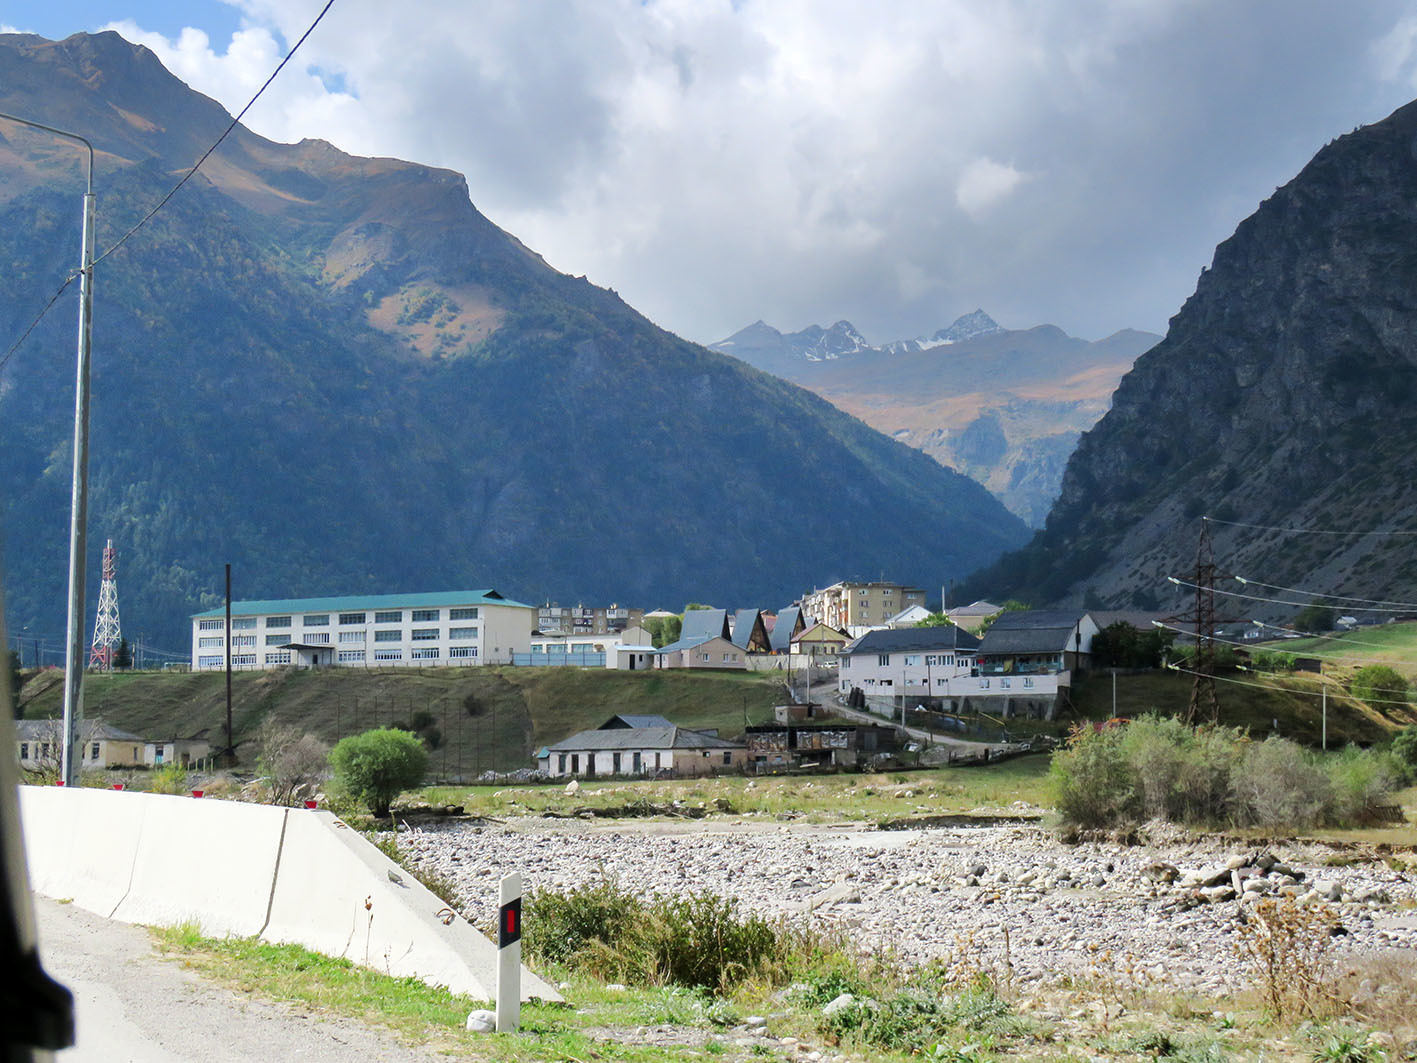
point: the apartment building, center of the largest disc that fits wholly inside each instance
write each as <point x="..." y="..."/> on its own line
<point x="365" y="631"/>
<point x="554" y="619"/>
<point x="858" y="607"/>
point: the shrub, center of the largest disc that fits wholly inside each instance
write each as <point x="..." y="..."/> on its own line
<point x="292" y="763"/>
<point x="168" y="779"/>
<point x="1358" y="781"/>
<point x="1404" y="748"/>
<point x="1092" y="783"/>
<point x="1277" y="784"/>
<point x="377" y="766"/>
<point x="1378" y="682"/>
<point x="1287" y="944"/>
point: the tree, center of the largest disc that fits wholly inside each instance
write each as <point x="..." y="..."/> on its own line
<point x="377" y="766"/>
<point x="1120" y="645"/>
<point x="664" y="629"/>
<point x="293" y="763"/>
<point x="1378" y="682"/>
<point x="123" y="656"/>
<point x="11" y="664"/>
<point x="1013" y="605"/>
<point x="1314" y="619"/>
<point x="935" y="620"/>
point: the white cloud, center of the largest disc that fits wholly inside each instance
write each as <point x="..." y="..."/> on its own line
<point x="717" y="161"/>
<point x="983" y="184"/>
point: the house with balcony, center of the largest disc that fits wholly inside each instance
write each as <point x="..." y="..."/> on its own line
<point x="891" y="667"/>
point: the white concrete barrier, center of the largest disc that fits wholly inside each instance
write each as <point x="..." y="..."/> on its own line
<point x="295" y="876"/>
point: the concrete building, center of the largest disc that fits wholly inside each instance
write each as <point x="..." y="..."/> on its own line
<point x="365" y="631"/>
<point x="641" y="745"/>
<point x="555" y="619"/>
<point x="40" y="745"/>
<point x="857" y="607"/>
<point x="913" y="663"/>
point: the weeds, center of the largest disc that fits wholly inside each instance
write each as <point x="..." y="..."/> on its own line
<point x="1287" y="944"/>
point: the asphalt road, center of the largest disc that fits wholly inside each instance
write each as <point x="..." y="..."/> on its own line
<point x="137" y="1007"/>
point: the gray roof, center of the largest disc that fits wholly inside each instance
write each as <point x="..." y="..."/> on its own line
<point x="786" y="626"/>
<point x="744" y="621"/>
<point x="671" y="737"/>
<point x="89" y="731"/>
<point x="622" y="720"/>
<point x="1036" y="619"/>
<point x="700" y="624"/>
<point x="1031" y="631"/>
<point x="366" y="602"/>
<point x="908" y="639"/>
<point x="686" y="644"/>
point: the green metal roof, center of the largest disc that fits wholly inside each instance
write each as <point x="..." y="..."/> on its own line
<point x="353" y="603"/>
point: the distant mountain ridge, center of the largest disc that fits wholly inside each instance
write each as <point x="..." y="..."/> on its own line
<point x="337" y="375"/>
<point x="1282" y="403"/>
<point x="1003" y="406"/>
<point x="777" y="352"/>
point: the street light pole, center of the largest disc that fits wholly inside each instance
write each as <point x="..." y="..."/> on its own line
<point x="79" y="499"/>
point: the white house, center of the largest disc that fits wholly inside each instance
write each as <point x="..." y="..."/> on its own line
<point x="641" y="745"/>
<point x="365" y="631"/>
<point x="912" y="662"/>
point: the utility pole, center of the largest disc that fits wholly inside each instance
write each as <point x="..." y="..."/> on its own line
<point x="79" y="495"/>
<point x="229" y="756"/>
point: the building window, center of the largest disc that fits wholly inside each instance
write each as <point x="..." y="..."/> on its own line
<point x="912" y="660"/>
<point x="351" y="636"/>
<point x="388" y="636"/>
<point x="469" y="613"/>
<point x="243" y="640"/>
<point x="211" y="625"/>
<point x="463" y="651"/>
<point x="317" y="620"/>
<point x="209" y="662"/>
<point x="24" y="751"/>
<point x="883" y="660"/>
<point x="94" y="754"/>
<point x="277" y="640"/>
<point x="1028" y="681"/>
<point x="983" y="684"/>
<point x="561" y="763"/>
<point x="277" y="621"/>
<point x="243" y="660"/>
<point x="728" y="760"/>
<point x="318" y="636"/>
<point x="211" y="642"/>
<point x="462" y="632"/>
<point x="425" y="634"/>
<point x="389" y="616"/>
<point x="282" y="657"/>
<point x="425" y="653"/>
<point x="351" y="656"/>
<point x="424" y="616"/>
<point x="388" y="655"/>
<point x="243" y="623"/>
<point x="352" y="618"/>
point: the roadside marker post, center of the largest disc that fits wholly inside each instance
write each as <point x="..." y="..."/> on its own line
<point x="509" y="953"/>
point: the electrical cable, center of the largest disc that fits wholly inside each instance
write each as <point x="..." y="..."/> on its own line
<point x="1323" y="594"/>
<point x="1287" y="690"/>
<point x="1274" y="601"/>
<point x="1370" y="658"/>
<point x="1301" y="531"/>
<point x="172" y="191"/>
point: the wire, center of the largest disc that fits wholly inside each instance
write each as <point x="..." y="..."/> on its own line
<point x="1287" y="690"/>
<point x="217" y="143"/>
<point x="1371" y="658"/>
<point x="38" y="318"/>
<point x="1322" y="594"/>
<point x="1275" y="601"/>
<point x="1302" y="531"/>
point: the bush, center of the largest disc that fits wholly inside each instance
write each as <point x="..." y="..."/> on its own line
<point x="292" y="763"/>
<point x="699" y="942"/>
<point x="377" y="766"/>
<point x="168" y="778"/>
<point x="1209" y="775"/>
<point x="1404" y="748"/>
<point x="1378" y="682"/>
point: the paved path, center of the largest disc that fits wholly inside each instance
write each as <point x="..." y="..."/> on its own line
<point x="136" y="1007"/>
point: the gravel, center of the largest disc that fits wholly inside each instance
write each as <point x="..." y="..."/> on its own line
<point x="1009" y="899"/>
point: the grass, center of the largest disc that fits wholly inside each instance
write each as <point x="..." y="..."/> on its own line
<point x="1291" y="700"/>
<point x="825" y="798"/>
<point x="1394" y="644"/>
<point x="979" y="1018"/>
<point x="489" y="718"/>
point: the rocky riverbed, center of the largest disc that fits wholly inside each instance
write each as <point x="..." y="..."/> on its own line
<point x="1010" y="899"/>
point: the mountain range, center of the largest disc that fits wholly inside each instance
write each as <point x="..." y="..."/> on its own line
<point x="1005" y="407"/>
<point x="336" y="374"/>
<point x="1280" y="409"/>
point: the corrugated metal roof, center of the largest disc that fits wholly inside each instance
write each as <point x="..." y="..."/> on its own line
<point x="744" y="622"/>
<point x="1026" y="640"/>
<point x="628" y="720"/>
<point x="355" y="602"/>
<point x="1023" y="619"/>
<point x="701" y="624"/>
<point x="907" y="639"/>
<point x="671" y="737"/>
<point x="787" y="621"/>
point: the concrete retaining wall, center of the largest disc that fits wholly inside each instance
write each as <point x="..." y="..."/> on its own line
<point x="297" y="876"/>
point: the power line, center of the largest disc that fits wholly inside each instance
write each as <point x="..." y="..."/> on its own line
<point x="1278" y="601"/>
<point x="1302" y="531"/>
<point x="172" y="191"/>
<point x="217" y="143"/>
<point x="1324" y="594"/>
<point x="1288" y="690"/>
<point x="1371" y="657"/>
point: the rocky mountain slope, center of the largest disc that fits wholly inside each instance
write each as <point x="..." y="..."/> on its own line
<point x="337" y="375"/>
<point x="1281" y="403"/>
<point x="1005" y="407"/>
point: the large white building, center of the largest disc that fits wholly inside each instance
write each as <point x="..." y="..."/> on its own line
<point x="365" y="631"/>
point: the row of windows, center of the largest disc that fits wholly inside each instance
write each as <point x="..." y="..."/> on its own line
<point x="382" y="616"/>
<point x="424" y="653"/>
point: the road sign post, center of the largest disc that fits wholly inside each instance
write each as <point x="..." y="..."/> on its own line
<point x="509" y="953"/>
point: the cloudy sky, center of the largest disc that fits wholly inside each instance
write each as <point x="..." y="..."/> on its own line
<point x="799" y="161"/>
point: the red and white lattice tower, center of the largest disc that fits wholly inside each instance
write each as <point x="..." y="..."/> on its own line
<point x="106" y="634"/>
